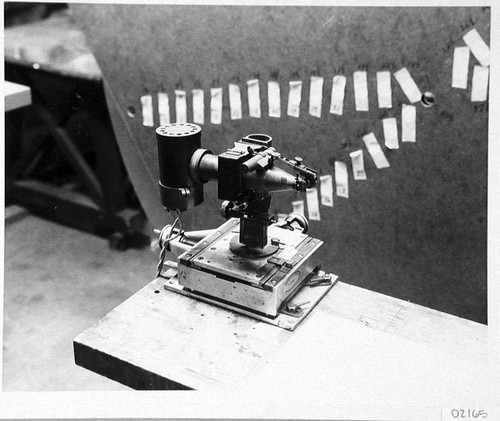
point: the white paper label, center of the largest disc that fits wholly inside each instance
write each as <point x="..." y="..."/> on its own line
<point x="408" y="123"/>
<point x="358" y="165"/>
<point x="235" y="101"/>
<point x="253" y="98"/>
<point x="391" y="132"/>
<point x="316" y="96"/>
<point x="180" y="107"/>
<point x="273" y="99"/>
<point x="460" y="67"/>
<point x="375" y="151"/>
<point x="163" y="108"/>
<point x="298" y="207"/>
<point x="384" y="89"/>
<point x="478" y="47"/>
<point x="408" y="85"/>
<point x="147" y="110"/>
<point x="480" y="83"/>
<point x="198" y="106"/>
<point x="338" y="94"/>
<point x="312" y="205"/>
<point x="341" y="179"/>
<point x="361" y="90"/>
<point x="294" y="97"/>
<point x="216" y="105"/>
<point x="326" y="190"/>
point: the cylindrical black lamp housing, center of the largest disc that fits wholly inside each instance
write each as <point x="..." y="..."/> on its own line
<point x="176" y="144"/>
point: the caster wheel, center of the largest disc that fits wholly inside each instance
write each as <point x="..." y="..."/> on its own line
<point x="117" y="241"/>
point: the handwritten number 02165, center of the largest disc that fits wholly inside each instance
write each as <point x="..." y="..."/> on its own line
<point x="468" y="413"/>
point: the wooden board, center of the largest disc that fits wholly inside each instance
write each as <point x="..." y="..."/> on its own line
<point x="16" y="95"/>
<point x="158" y="339"/>
<point x="416" y="230"/>
<point x="54" y="44"/>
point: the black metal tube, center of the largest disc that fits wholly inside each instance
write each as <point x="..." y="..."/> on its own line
<point x="209" y="167"/>
<point x="176" y="144"/>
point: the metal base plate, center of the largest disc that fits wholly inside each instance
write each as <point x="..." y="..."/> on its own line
<point x="307" y="294"/>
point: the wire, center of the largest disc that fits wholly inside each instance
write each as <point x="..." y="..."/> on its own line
<point x="169" y="237"/>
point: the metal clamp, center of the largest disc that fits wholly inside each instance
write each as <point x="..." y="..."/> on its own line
<point x="318" y="280"/>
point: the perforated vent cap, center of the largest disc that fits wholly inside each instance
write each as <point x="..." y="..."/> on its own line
<point x="178" y="129"/>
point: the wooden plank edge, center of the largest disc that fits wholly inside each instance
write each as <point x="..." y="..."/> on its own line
<point x="121" y="371"/>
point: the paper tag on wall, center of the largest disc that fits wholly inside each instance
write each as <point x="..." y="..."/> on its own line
<point x="273" y="99"/>
<point x="480" y="78"/>
<point x="312" y="205"/>
<point x="390" y="126"/>
<point x="375" y="151"/>
<point x="216" y="105"/>
<point x="358" y="165"/>
<point x="198" y="106"/>
<point x="341" y="179"/>
<point x="180" y="107"/>
<point x="338" y="94"/>
<point x="408" y="85"/>
<point x="294" y="97"/>
<point x="326" y="190"/>
<point x="298" y="207"/>
<point x="163" y="108"/>
<point x="147" y="110"/>
<point x="361" y="90"/>
<point x="408" y="123"/>
<point x="460" y="70"/>
<point x="478" y="47"/>
<point x="235" y="101"/>
<point x="384" y="89"/>
<point x="253" y="98"/>
<point x="316" y="96"/>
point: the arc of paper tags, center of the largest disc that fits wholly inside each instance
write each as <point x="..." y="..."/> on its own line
<point x="479" y="91"/>
<point x="460" y="71"/>
<point x="338" y="92"/>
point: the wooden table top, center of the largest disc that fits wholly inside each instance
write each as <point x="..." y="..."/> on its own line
<point x="158" y="339"/>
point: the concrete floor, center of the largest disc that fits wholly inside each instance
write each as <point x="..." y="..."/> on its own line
<point x="59" y="281"/>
